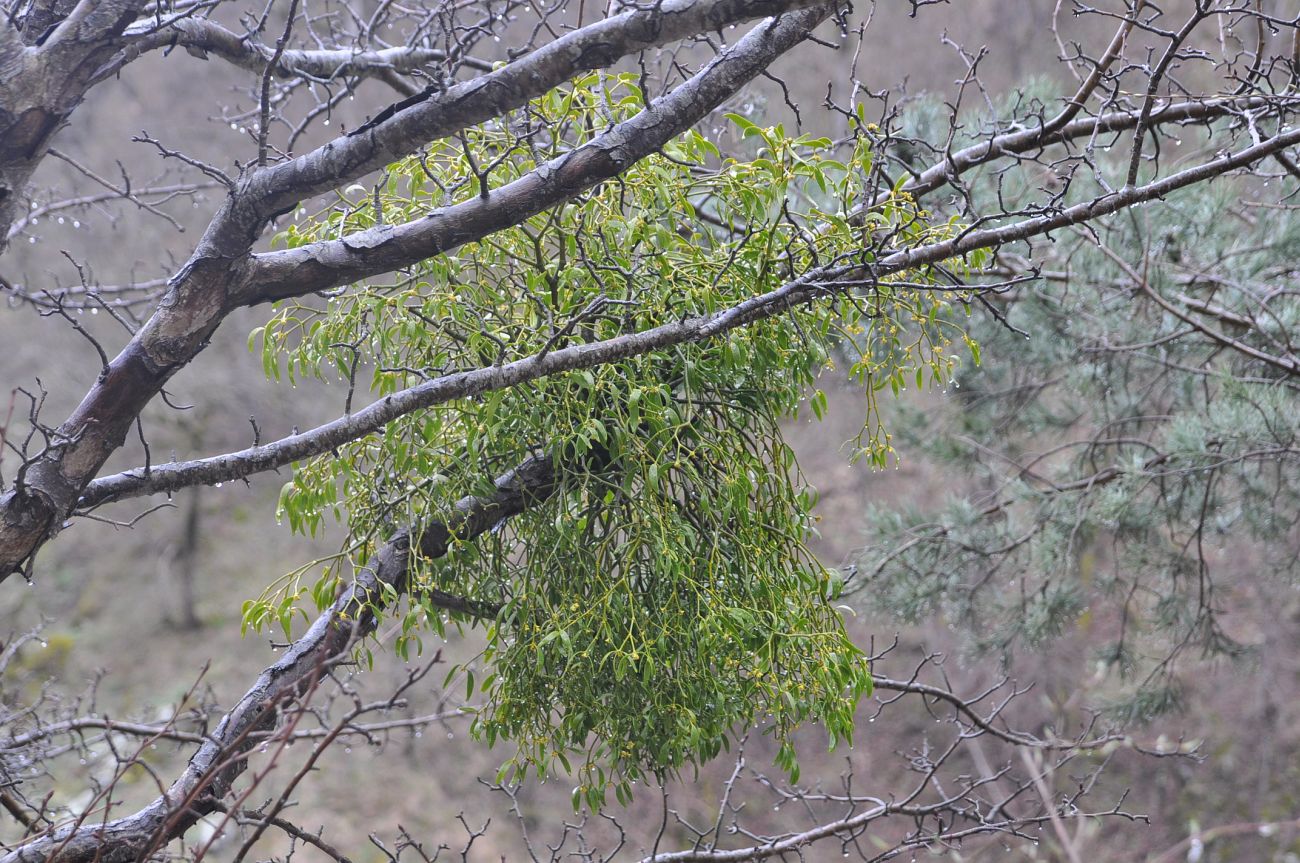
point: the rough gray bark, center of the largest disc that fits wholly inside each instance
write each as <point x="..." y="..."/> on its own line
<point x="203" y="37"/>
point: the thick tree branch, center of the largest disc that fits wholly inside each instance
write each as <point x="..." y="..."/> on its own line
<point x="403" y="128"/>
<point x="221" y="759"/>
<point x="385" y="248"/>
<point x="91" y="22"/>
<point x="205" y="37"/>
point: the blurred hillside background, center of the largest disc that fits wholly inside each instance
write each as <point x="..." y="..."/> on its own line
<point x="163" y="610"/>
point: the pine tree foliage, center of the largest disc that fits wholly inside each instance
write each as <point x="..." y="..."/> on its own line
<point x="1129" y="447"/>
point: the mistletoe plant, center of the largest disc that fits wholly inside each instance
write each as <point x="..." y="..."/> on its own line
<point x="662" y="599"/>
